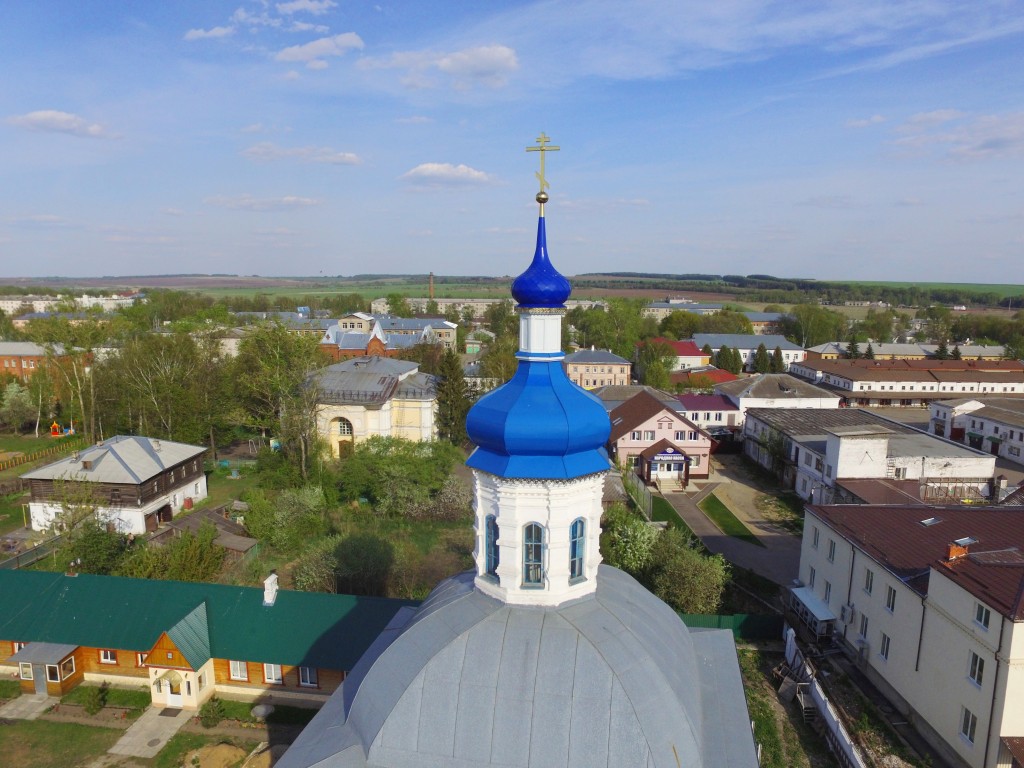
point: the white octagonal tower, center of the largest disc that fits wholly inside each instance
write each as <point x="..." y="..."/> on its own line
<point x="540" y="460"/>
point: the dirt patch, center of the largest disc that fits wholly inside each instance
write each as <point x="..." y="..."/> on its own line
<point x="214" y="756"/>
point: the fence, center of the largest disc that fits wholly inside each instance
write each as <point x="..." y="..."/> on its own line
<point x="30" y="556"/>
<point x="65" y="445"/>
<point x="640" y="495"/>
<point x="744" y="626"/>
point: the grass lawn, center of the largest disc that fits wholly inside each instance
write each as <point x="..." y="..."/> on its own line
<point x="663" y="512"/>
<point x="134" y="699"/>
<point x="11" y="513"/>
<point x="9" y="689"/>
<point x="223" y="490"/>
<point x="173" y="754"/>
<point x="44" y="744"/>
<point x="25" y="443"/>
<point x="726" y="521"/>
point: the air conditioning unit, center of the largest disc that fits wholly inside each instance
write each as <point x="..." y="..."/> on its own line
<point x="846" y="613"/>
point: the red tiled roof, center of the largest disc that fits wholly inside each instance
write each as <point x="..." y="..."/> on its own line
<point x="682" y="348"/>
<point x="715" y="375"/>
<point x="895" y="537"/>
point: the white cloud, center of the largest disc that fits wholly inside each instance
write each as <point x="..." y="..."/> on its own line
<point x="305" y="26"/>
<point x="269" y="151"/>
<point x="172" y="211"/>
<point x="446" y="174"/>
<point x="44" y="221"/>
<point x="313" y="53"/>
<point x="488" y="65"/>
<point x="51" y="120"/>
<point x="315" y="7"/>
<point x="832" y="202"/>
<point x="246" y="202"/>
<point x="264" y="19"/>
<point x="414" y="120"/>
<point x="865" y="122"/>
<point x="928" y="119"/>
<point x="204" y="34"/>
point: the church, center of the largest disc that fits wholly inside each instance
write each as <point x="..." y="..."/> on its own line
<point x="539" y="656"/>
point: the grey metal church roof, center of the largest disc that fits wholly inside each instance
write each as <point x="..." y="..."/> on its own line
<point x="615" y="679"/>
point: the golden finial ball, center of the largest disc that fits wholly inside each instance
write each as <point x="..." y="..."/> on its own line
<point x="542" y="197"/>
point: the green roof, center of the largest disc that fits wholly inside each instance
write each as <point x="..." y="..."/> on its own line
<point x="191" y="636"/>
<point x="302" y="628"/>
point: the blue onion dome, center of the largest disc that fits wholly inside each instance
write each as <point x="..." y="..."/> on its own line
<point x="541" y="285"/>
<point x="539" y="425"/>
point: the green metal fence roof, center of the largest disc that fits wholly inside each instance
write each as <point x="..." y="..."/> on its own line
<point x="301" y="628"/>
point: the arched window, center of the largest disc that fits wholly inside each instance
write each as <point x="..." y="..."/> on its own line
<point x="533" y="555"/>
<point x="344" y="427"/>
<point x="577" y="546"/>
<point x="491" y="544"/>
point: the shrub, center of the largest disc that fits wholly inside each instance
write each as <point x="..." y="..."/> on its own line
<point x="211" y="713"/>
<point x="95" y="698"/>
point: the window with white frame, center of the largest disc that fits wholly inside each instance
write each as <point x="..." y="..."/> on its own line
<point x="968" y="725"/>
<point x="67" y="668"/>
<point x="869" y="580"/>
<point x="810" y="577"/>
<point x="577" y="539"/>
<point x="831" y="550"/>
<point x="26" y="670"/>
<point x="863" y="626"/>
<point x="890" y="599"/>
<point x="883" y="651"/>
<point x="982" y="615"/>
<point x="828" y="591"/>
<point x="814" y="537"/>
<point x="108" y="657"/>
<point x="52" y="673"/>
<point x="308" y="677"/>
<point x="272" y="674"/>
<point x="239" y="670"/>
<point x="140" y="659"/>
<point x="648" y="434"/>
<point x="635" y="435"/>
<point x="976" y="668"/>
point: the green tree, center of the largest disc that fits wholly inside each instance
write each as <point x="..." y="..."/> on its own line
<point x="654" y="361"/>
<point x="809" y="325"/>
<point x="499" y="361"/>
<point x="627" y="540"/>
<point x="316" y="569"/>
<point x="398" y="305"/>
<point x="956" y="354"/>
<point x="17" y="408"/>
<point x="942" y="351"/>
<point x="452" y="399"/>
<point x="94" y="549"/>
<point x="762" y="363"/>
<point x="680" y="325"/>
<point x="853" y="349"/>
<point x="684" y="578"/>
<point x="432" y="308"/>
<point x="777" y="364"/>
<point x="364" y="564"/>
<point x="869" y="353"/>
<point x="271" y="367"/>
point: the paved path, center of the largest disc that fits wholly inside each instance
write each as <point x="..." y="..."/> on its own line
<point x="150" y="732"/>
<point x="26" y="707"/>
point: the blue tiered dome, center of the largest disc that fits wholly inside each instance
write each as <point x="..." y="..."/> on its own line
<point x="539" y="424"/>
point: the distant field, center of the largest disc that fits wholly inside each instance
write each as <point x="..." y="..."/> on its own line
<point x="1002" y="290"/>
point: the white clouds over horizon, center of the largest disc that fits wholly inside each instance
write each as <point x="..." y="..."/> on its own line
<point x="315" y="7"/>
<point x="205" y="34"/>
<point x="314" y="53"/>
<point x="247" y="202"/>
<point x="446" y="174"/>
<point x="489" y="65"/>
<point x="269" y="151"/>
<point x="55" y="121"/>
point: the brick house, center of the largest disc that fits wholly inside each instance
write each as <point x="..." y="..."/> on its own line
<point x="658" y="442"/>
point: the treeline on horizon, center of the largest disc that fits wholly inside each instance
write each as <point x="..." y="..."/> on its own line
<point x="782" y="290"/>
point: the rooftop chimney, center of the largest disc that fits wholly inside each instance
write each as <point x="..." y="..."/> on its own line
<point x="960" y="548"/>
<point x="270" y="589"/>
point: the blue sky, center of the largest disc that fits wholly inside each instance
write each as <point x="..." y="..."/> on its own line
<point x="877" y="139"/>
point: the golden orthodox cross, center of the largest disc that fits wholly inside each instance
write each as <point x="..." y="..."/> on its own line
<point x="542" y="147"/>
